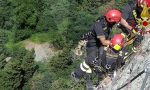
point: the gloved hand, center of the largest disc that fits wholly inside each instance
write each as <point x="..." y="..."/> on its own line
<point x="78" y="50"/>
<point x="131" y="37"/>
<point x="135" y="31"/>
<point x="123" y="35"/>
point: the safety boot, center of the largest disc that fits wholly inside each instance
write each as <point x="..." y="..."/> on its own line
<point x="74" y="77"/>
<point x="134" y="49"/>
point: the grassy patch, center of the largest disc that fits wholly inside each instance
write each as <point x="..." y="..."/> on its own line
<point x="10" y="45"/>
<point x="37" y="38"/>
<point x="41" y="37"/>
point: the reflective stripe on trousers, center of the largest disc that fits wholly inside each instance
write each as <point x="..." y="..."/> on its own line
<point x="86" y="68"/>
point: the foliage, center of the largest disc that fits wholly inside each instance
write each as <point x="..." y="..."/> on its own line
<point x="18" y="70"/>
<point x="40" y="81"/>
<point x="120" y="3"/>
<point x="11" y="76"/>
<point x="62" y="61"/>
<point x="46" y="78"/>
<point x="3" y="40"/>
<point x="24" y="14"/>
<point x="20" y="35"/>
<point x="66" y="19"/>
<point x="41" y="37"/>
<point x="5" y="14"/>
<point x="28" y="66"/>
<point x="2" y="60"/>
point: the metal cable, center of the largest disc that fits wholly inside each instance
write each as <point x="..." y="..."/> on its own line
<point x="131" y="80"/>
<point x="147" y="71"/>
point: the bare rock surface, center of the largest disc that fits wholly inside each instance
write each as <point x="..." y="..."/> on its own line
<point x="43" y="51"/>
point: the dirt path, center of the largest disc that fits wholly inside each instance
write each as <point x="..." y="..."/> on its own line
<point x="42" y="51"/>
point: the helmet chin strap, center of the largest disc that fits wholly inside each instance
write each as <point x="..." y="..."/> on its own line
<point x="111" y="23"/>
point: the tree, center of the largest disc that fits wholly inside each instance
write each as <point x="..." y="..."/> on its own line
<point x="62" y="61"/>
<point x="5" y="14"/>
<point x="3" y="41"/>
<point x="28" y="66"/>
<point x="24" y="14"/>
<point x="40" y="81"/>
<point x="18" y="70"/>
<point x="11" y="76"/>
<point x="2" y="60"/>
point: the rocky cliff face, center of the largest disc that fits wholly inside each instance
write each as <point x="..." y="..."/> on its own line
<point x="138" y="62"/>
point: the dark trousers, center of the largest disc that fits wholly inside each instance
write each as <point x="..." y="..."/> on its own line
<point x="92" y="53"/>
<point x="90" y="60"/>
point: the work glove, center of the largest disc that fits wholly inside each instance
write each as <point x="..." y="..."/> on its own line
<point x="135" y="31"/>
<point x="123" y="35"/>
<point x="78" y="50"/>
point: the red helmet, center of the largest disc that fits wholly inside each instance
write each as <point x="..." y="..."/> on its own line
<point x="148" y="3"/>
<point x="117" y="42"/>
<point x="142" y="2"/>
<point x="113" y="16"/>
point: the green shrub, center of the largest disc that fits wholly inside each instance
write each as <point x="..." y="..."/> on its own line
<point x="20" y="35"/>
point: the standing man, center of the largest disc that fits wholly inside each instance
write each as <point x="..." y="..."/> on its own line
<point x="98" y="37"/>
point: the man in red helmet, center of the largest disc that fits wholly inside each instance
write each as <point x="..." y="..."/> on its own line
<point x="98" y="37"/>
<point x="112" y="57"/>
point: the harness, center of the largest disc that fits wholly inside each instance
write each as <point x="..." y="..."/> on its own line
<point x="84" y="41"/>
<point x="106" y="29"/>
<point x="109" y="58"/>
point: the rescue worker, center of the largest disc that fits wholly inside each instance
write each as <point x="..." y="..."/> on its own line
<point x="112" y="56"/>
<point x="136" y="17"/>
<point x="98" y="37"/>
